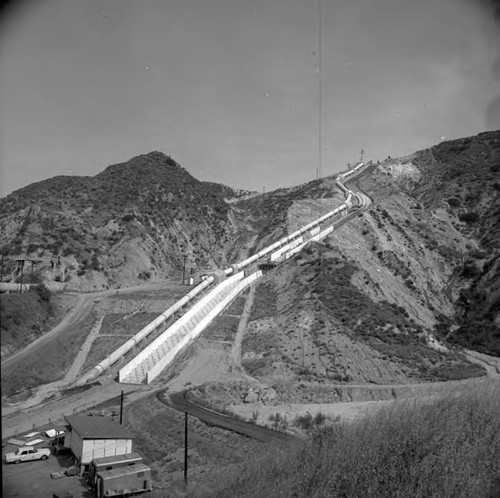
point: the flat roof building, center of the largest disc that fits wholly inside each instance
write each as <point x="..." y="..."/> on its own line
<point x="96" y="437"/>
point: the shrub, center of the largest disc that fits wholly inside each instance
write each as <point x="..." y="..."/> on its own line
<point x="303" y="421"/>
<point x="42" y="291"/>
<point x="470" y="217"/>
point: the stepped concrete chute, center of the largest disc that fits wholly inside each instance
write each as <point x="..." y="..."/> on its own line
<point x="149" y="363"/>
<point x="152" y="360"/>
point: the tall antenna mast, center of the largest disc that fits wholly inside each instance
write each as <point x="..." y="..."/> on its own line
<point x="320" y="111"/>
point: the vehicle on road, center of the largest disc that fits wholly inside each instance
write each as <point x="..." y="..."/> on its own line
<point x="26" y="454"/>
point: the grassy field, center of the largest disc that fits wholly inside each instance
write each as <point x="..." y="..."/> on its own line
<point x="214" y="454"/>
<point x="447" y="448"/>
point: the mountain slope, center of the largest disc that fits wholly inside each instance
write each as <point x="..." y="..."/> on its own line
<point x="382" y="300"/>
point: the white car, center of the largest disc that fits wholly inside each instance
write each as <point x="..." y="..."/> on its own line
<point x="27" y="453"/>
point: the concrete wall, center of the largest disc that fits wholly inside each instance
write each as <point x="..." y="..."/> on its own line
<point x="202" y="324"/>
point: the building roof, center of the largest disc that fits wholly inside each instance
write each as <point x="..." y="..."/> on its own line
<point x="88" y="427"/>
<point x="123" y="471"/>
<point x="128" y="457"/>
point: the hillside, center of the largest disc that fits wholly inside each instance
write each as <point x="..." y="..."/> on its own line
<point x="24" y="317"/>
<point x="135" y="222"/>
<point x="446" y="448"/>
<point x="455" y="188"/>
<point x="383" y="300"/>
<point x="119" y="226"/>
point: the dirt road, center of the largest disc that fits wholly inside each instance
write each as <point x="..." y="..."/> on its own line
<point x="180" y="403"/>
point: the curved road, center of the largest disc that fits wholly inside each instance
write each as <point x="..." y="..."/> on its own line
<point x="179" y="402"/>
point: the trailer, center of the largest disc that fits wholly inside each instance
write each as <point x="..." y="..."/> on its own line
<point x="112" y="462"/>
<point x="123" y="481"/>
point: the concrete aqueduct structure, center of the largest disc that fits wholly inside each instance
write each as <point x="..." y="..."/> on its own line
<point x="153" y="359"/>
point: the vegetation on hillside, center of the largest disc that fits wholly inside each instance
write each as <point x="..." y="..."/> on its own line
<point x="466" y="173"/>
<point x="318" y="284"/>
<point x="24" y="317"/>
<point x="149" y="199"/>
<point x="448" y="448"/>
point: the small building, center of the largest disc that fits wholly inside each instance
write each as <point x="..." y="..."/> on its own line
<point x="112" y="462"/>
<point x="96" y="437"/>
<point x="123" y="481"/>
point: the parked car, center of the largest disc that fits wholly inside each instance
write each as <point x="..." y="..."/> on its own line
<point x="27" y="453"/>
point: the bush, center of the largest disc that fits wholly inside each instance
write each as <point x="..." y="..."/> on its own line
<point x="470" y="217"/>
<point x="303" y="421"/>
<point x="42" y="291"/>
<point x="454" y="201"/>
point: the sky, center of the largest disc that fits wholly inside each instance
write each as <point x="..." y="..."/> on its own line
<point x="230" y="89"/>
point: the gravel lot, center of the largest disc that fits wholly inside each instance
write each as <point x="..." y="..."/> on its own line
<point x="32" y="479"/>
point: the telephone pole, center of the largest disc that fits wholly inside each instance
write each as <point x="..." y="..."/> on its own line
<point x="185" y="448"/>
<point x="320" y="103"/>
<point x="20" y="265"/>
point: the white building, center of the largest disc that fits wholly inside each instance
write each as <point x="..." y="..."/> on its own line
<point x="96" y="437"/>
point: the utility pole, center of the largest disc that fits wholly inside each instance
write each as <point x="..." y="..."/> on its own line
<point x="184" y="270"/>
<point x="33" y="262"/>
<point x="1" y="274"/>
<point x="20" y="264"/>
<point x="185" y="448"/>
<point x="121" y="408"/>
<point x="320" y="110"/>
<point x="362" y="152"/>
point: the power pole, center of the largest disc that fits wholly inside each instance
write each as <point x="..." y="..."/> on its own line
<point x="185" y="448"/>
<point x="121" y="408"/>
<point x="1" y="274"/>
<point x="184" y="270"/>
<point x="33" y="262"/>
<point x="362" y="152"/>
<point x="320" y="110"/>
<point x="20" y="264"/>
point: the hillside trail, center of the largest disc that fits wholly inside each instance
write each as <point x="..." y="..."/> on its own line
<point x="238" y="339"/>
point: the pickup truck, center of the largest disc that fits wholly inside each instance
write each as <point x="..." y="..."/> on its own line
<point x="27" y="453"/>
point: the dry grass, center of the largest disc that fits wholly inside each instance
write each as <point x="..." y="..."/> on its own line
<point x="214" y="454"/>
<point x="223" y="328"/>
<point x="47" y="363"/>
<point x="448" y="448"/>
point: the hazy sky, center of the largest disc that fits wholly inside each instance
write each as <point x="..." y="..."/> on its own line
<point x="229" y="88"/>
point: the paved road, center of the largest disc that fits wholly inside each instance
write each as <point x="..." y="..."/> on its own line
<point x="18" y="421"/>
<point x="180" y="403"/>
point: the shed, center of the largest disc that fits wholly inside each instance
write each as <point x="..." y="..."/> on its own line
<point x="123" y="481"/>
<point x="96" y="437"/>
<point x="112" y="462"/>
